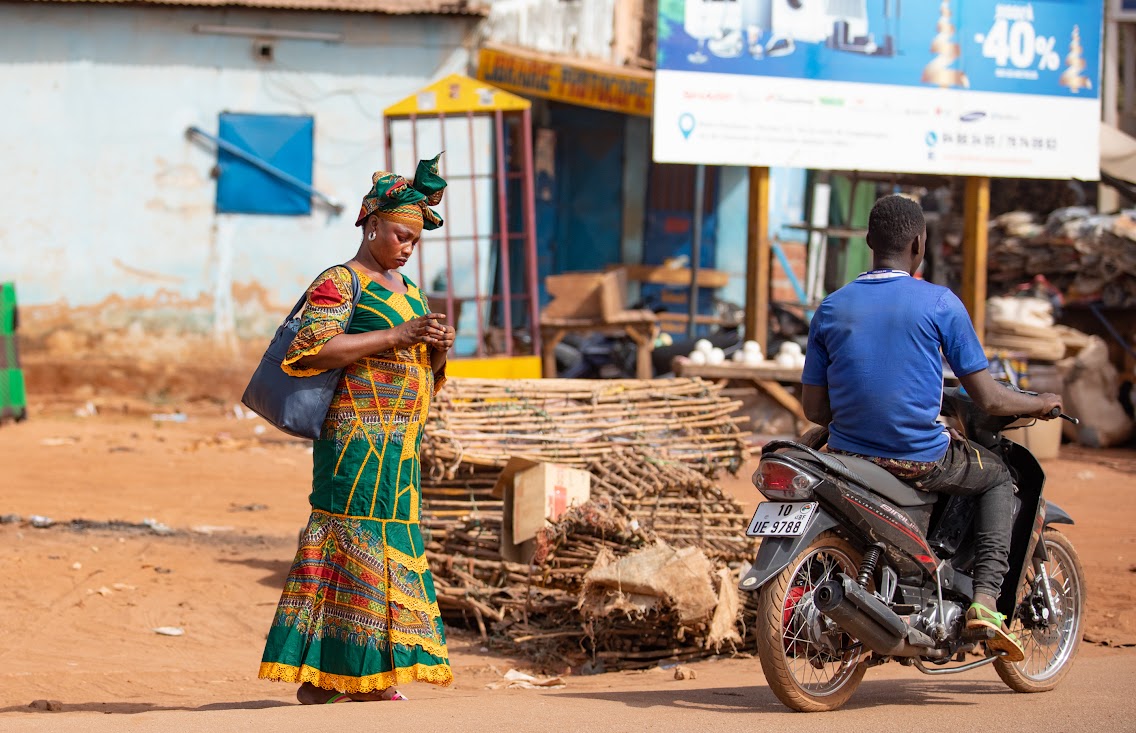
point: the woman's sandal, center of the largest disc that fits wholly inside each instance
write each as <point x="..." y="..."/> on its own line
<point x="344" y="697"/>
<point x="379" y="696"/>
<point x="305" y="695"/>
<point x="309" y="694"/>
<point x="1004" y="643"/>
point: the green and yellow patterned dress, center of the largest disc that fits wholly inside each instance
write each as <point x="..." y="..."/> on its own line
<point x="359" y="612"/>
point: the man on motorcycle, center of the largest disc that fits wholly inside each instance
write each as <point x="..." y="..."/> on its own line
<point x="873" y="374"/>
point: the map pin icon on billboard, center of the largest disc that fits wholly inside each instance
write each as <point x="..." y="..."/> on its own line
<point x="686" y="124"/>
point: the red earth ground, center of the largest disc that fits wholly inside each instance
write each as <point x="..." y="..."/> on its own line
<point x="77" y="620"/>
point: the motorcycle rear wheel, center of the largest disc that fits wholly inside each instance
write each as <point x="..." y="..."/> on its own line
<point x="803" y="674"/>
<point x="1049" y="651"/>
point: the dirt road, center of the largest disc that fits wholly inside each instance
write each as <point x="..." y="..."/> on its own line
<point x="81" y="603"/>
<point x="726" y="696"/>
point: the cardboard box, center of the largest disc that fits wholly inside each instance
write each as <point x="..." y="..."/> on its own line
<point x="598" y="296"/>
<point x="1043" y="439"/>
<point x="535" y="493"/>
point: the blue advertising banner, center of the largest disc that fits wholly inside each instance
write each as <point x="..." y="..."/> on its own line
<point x="969" y="87"/>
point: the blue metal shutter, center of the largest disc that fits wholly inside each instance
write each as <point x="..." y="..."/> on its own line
<point x="284" y="142"/>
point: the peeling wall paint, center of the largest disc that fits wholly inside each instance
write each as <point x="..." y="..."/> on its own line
<point x="108" y="207"/>
<point x="585" y="28"/>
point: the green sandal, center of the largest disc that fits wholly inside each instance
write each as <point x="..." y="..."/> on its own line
<point x="1004" y="643"/>
<point x="338" y="697"/>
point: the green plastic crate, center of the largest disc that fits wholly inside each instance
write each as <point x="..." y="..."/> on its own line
<point x="13" y="395"/>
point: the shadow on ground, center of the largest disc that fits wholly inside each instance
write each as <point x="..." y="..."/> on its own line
<point x="902" y="693"/>
<point x="133" y="708"/>
<point x="277" y="569"/>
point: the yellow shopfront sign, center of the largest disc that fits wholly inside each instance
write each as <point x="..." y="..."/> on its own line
<point x="627" y="91"/>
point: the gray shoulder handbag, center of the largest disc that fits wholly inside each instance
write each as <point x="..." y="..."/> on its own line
<point x="296" y="405"/>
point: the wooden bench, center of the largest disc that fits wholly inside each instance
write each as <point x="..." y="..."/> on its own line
<point x="766" y="377"/>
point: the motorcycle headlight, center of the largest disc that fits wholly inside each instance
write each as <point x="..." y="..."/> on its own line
<point x="779" y="481"/>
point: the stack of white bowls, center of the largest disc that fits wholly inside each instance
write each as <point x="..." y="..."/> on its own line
<point x="790" y="356"/>
<point x="749" y="354"/>
<point x="706" y="353"/>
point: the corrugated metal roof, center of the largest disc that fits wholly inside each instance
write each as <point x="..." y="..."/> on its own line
<point x="388" y="7"/>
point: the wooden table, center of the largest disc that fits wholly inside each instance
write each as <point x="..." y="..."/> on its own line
<point x="641" y="326"/>
<point x="767" y="377"/>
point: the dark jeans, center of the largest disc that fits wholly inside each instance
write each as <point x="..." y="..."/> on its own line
<point x="971" y="470"/>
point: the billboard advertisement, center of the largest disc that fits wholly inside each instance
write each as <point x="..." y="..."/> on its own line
<point x="959" y="87"/>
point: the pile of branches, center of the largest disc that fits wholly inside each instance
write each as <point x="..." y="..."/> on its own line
<point x="677" y="504"/>
<point x="535" y="609"/>
<point x="538" y="608"/>
<point x="448" y="501"/>
<point x="653" y="449"/>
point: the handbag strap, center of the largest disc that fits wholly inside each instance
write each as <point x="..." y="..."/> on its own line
<point x="296" y="308"/>
<point x="357" y="289"/>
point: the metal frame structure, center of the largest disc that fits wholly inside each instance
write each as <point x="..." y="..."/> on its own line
<point x="461" y="98"/>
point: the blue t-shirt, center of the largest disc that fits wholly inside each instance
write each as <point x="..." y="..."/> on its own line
<point x="875" y="344"/>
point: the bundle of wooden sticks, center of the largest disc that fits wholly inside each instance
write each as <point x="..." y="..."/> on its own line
<point x="652" y="447"/>
<point x="575" y="421"/>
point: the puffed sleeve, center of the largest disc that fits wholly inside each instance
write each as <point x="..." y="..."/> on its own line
<point x="327" y="309"/>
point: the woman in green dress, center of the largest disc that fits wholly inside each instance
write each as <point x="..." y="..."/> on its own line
<point x="359" y="614"/>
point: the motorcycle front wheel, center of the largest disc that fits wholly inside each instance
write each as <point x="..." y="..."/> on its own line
<point x="810" y="666"/>
<point x="1051" y="644"/>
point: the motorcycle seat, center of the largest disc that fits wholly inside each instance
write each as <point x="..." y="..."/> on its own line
<point x="883" y="483"/>
<point x="872" y="477"/>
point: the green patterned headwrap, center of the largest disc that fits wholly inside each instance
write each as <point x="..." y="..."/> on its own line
<point x="396" y="199"/>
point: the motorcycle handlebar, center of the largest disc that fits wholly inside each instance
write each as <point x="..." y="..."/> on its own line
<point x="1056" y="412"/>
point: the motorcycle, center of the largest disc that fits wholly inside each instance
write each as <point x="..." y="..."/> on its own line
<point x="857" y="568"/>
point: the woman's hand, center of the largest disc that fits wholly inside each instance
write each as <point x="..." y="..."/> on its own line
<point x="445" y="342"/>
<point x="422" y="330"/>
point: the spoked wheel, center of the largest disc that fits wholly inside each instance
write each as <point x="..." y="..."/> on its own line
<point x="810" y="664"/>
<point x="1050" y="640"/>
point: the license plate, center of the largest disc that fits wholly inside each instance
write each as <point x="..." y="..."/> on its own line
<point x="781" y="519"/>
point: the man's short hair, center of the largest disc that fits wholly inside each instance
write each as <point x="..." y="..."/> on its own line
<point x="894" y="224"/>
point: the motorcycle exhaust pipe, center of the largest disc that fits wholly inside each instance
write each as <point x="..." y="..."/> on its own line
<point x="863" y="616"/>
